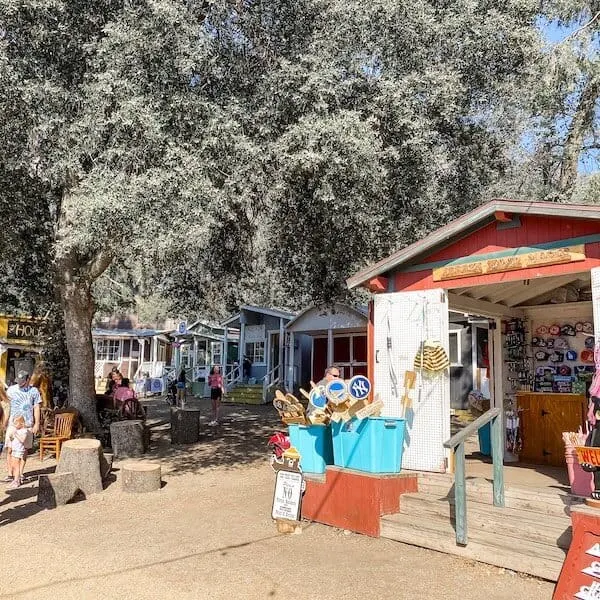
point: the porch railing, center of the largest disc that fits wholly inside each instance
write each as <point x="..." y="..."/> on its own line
<point x="457" y="444"/>
<point x="270" y="380"/>
<point x="232" y="375"/>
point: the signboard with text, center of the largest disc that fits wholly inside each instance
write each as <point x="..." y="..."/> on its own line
<point x="287" y="496"/>
<point x="23" y="330"/>
<point x="515" y="262"/>
<point x="580" y="575"/>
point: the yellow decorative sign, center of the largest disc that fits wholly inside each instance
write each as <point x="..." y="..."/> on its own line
<point x="503" y="264"/>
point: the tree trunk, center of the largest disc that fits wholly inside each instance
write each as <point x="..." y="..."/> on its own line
<point x="78" y="308"/>
<point x="581" y="125"/>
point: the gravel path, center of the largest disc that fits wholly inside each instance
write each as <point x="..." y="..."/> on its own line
<point x="208" y="534"/>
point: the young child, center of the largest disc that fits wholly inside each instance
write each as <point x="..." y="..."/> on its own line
<point x="19" y="452"/>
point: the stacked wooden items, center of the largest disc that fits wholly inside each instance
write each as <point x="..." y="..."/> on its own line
<point x="338" y="401"/>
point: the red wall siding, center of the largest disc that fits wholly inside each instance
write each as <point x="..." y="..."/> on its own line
<point x="533" y="230"/>
<point x="354" y="500"/>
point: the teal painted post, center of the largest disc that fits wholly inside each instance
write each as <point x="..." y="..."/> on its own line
<point x="460" y="495"/>
<point x="498" y="460"/>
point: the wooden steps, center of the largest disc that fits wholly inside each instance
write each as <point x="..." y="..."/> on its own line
<point x="531" y="534"/>
<point x="245" y="394"/>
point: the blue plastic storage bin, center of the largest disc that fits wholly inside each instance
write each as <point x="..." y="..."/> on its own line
<point x="314" y="444"/>
<point x="373" y="445"/>
<point x="485" y="439"/>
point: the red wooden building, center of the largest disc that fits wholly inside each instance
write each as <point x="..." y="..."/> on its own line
<point x="503" y="261"/>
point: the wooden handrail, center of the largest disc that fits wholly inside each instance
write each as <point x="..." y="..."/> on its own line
<point x="472" y="428"/>
<point x="457" y="444"/>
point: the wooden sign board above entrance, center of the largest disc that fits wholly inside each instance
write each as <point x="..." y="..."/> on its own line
<point x="502" y="264"/>
<point x="23" y="330"/>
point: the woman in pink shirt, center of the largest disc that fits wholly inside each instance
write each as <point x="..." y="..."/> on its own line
<point x="217" y="391"/>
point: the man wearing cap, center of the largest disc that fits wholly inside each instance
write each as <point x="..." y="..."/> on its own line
<point x="24" y="401"/>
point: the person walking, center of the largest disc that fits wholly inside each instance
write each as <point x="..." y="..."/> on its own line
<point x="25" y="401"/>
<point x="181" y="387"/>
<point x="217" y="391"/>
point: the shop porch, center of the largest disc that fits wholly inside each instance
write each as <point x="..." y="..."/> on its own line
<point x="531" y="534"/>
<point x="525" y="274"/>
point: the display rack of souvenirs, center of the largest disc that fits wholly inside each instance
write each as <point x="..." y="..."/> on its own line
<point x="514" y="441"/>
<point x="516" y="360"/>
<point x="564" y="357"/>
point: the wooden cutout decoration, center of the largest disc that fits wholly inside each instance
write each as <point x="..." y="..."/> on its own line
<point x="336" y="417"/>
<point x="370" y="410"/>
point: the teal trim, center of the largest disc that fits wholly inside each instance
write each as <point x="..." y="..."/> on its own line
<point x="586" y="239"/>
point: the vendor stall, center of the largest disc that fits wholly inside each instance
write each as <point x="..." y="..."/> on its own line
<point x="527" y="273"/>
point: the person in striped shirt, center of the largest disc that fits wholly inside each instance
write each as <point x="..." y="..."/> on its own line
<point x="25" y="401"/>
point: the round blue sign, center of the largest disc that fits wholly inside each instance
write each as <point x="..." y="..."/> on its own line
<point x="336" y="390"/>
<point x="359" y="387"/>
<point x="156" y="386"/>
<point x="317" y="398"/>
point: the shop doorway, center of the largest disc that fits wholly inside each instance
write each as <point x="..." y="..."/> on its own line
<point x="18" y="360"/>
<point x="273" y="350"/>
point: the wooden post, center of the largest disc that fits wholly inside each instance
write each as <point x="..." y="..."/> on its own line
<point x="242" y="343"/>
<point x="329" y="348"/>
<point x="224" y="353"/>
<point x="280" y="371"/>
<point x="460" y="495"/>
<point x="498" y="459"/>
<point x="291" y="359"/>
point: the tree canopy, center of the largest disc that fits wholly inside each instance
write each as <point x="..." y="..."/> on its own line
<point x="193" y="155"/>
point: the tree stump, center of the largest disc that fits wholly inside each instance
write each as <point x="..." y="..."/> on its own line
<point x="56" y="489"/>
<point x="140" y="477"/>
<point x="185" y="425"/>
<point x="82" y="458"/>
<point x="127" y="438"/>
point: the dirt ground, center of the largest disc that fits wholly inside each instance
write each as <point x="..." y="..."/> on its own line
<point x="208" y="534"/>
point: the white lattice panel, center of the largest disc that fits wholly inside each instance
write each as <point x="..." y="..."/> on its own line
<point x="402" y="320"/>
<point x="595" y="274"/>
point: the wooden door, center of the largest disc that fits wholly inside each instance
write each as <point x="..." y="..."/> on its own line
<point x="562" y="412"/>
<point x="532" y="428"/>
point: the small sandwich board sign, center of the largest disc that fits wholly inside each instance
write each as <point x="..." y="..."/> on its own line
<point x="288" y="495"/>
<point x="289" y="487"/>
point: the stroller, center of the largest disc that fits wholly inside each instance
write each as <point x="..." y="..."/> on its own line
<point x="127" y="404"/>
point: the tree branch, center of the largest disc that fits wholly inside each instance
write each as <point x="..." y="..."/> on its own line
<point x="578" y="31"/>
<point x="99" y="264"/>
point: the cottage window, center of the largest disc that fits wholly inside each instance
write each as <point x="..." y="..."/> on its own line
<point x="255" y="351"/>
<point x="216" y="352"/>
<point x="201" y="357"/>
<point x="109" y="350"/>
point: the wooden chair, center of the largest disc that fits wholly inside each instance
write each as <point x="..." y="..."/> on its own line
<point x="63" y="428"/>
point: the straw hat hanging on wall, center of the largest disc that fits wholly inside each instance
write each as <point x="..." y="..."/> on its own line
<point x="431" y="357"/>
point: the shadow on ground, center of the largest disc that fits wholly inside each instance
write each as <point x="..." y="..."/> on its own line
<point x="240" y="439"/>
